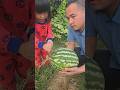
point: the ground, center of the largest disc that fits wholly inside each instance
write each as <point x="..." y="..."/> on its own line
<point x="47" y="80"/>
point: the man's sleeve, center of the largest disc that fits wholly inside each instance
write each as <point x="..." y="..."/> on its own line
<point x="70" y="36"/>
<point x="90" y="23"/>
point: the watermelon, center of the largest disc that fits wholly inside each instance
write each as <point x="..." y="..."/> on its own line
<point x="47" y="77"/>
<point x="63" y="58"/>
<point x="94" y="76"/>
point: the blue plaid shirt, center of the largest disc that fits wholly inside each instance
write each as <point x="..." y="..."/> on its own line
<point x="78" y="37"/>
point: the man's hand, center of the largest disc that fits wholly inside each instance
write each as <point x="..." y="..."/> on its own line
<point x="48" y="46"/>
<point x="72" y="71"/>
<point x="70" y="45"/>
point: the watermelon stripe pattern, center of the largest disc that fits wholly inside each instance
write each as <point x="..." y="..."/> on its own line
<point x="92" y="79"/>
<point x="64" y="57"/>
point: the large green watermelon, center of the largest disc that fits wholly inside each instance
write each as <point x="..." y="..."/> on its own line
<point x="92" y="79"/>
<point x="64" y="57"/>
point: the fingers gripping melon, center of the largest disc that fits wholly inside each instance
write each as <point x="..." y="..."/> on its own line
<point x="64" y="57"/>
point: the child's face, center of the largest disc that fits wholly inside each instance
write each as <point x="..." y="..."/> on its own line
<point x="41" y="16"/>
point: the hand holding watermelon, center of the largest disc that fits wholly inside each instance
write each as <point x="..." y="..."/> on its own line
<point x="64" y="58"/>
<point x="72" y="71"/>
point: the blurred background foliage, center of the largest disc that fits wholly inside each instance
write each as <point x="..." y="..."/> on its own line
<point x="59" y="21"/>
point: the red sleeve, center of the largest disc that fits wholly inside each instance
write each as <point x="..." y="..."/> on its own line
<point x="50" y="33"/>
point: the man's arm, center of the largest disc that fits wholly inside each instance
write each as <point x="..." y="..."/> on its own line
<point x="71" y="45"/>
<point x="90" y="46"/>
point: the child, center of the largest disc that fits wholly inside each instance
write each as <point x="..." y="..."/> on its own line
<point x="43" y="32"/>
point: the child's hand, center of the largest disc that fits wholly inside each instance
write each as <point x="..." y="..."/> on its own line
<point x="48" y="46"/>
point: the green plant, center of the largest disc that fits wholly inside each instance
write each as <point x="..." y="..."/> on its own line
<point x="59" y="22"/>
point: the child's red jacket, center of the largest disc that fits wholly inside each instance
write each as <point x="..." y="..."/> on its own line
<point x="43" y="32"/>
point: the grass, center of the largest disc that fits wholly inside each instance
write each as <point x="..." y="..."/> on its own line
<point x="43" y="76"/>
<point x="44" y="79"/>
<point x="46" y="74"/>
